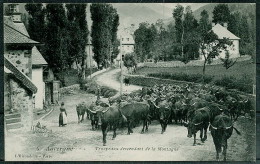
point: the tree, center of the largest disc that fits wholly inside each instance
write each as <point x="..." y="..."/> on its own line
<point x="178" y="13"/>
<point x="129" y="61"/>
<point x="227" y="62"/>
<point x="221" y="14"/>
<point x="36" y="23"/>
<point x="56" y="45"/>
<point x="211" y="46"/>
<point x="104" y="26"/>
<point x="145" y="36"/>
<point x="77" y="28"/>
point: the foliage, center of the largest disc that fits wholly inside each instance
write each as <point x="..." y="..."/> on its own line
<point x="129" y="60"/>
<point x="56" y="52"/>
<point x="221" y="14"/>
<point x="227" y="62"/>
<point x="78" y="32"/>
<point x="104" y="28"/>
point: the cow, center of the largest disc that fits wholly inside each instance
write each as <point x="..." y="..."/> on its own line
<point x="199" y="121"/>
<point x="221" y="130"/>
<point x="135" y="112"/>
<point x="81" y="109"/>
<point x="109" y="117"/>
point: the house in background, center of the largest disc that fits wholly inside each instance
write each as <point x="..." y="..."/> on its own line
<point x="127" y="45"/>
<point x="38" y="66"/>
<point x="19" y="89"/>
<point x="223" y="32"/>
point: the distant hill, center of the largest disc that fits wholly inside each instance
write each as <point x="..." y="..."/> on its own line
<point x="243" y="8"/>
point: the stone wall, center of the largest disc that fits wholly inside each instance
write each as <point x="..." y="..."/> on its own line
<point x="22" y="102"/>
<point x="21" y="59"/>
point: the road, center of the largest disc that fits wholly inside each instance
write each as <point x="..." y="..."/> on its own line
<point x="77" y="142"/>
<point x="110" y="79"/>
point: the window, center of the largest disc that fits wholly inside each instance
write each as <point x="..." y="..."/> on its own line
<point x="127" y="39"/>
<point x="122" y="39"/>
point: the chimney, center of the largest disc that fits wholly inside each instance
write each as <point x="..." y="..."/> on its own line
<point x="225" y="25"/>
<point x="212" y="24"/>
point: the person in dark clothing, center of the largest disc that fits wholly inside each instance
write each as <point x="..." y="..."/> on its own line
<point x="63" y="116"/>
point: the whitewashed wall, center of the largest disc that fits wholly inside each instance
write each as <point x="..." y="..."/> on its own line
<point x="37" y="79"/>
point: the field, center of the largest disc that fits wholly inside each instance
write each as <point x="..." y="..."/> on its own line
<point x="239" y="70"/>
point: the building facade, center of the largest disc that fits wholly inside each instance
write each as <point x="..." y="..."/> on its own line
<point x="222" y="32"/>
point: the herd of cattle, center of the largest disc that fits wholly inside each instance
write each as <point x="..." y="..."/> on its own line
<point x="195" y="106"/>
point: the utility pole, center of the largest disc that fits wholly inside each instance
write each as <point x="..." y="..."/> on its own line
<point x="90" y="57"/>
<point x="121" y="66"/>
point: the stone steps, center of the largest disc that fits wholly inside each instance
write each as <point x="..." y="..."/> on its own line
<point x="13" y="121"/>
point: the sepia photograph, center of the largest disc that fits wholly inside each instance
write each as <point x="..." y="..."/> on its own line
<point x="129" y="81"/>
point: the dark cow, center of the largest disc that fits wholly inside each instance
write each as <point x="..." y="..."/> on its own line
<point x="110" y="116"/>
<point x="135" y="112"/>
<point x="221" y="130"/>
<point x="200" y="121"/>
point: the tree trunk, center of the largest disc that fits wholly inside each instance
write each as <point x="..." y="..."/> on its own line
<point x="204" y="69"/>
<point x="182" y="40"/>
<point x="83" y="68"/>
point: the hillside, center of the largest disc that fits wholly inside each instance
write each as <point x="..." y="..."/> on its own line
<point x="243" y="8"/>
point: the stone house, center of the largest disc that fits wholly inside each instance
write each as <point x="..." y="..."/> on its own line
<point x="223" y="32"/>
<point x="19" y="88"/>
<point x="18" y="97"/>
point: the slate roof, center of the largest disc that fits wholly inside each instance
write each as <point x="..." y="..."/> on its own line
<point x="25" y="80"/>
<point x="16" y="34"/>
<point x="37" y="58"/>
<point x="21" y="27"/>
<point x="222" y="32"/>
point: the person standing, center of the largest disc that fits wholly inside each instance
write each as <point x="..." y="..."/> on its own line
<point x="63" y="116"/>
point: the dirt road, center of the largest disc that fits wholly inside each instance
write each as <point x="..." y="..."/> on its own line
<point x="77" y="142"/>
<point x="110" y="79"/>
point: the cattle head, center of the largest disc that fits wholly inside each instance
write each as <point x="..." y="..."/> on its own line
<point x="192" y="128"/>
<point x="100" y="115"/>
<point x="164" y="113"/>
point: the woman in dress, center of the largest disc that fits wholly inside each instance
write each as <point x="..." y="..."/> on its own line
<point x="63" y="115"/>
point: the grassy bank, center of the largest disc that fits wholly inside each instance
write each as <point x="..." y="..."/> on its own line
<point x="71" y="76"/>
<point x="239" y="70"/>
<point x="240" y="77"/>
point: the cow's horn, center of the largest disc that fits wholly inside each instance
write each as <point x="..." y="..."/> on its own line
<point x="92" y="111"/>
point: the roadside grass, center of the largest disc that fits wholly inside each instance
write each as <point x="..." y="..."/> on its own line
<point x="71" y="76"/>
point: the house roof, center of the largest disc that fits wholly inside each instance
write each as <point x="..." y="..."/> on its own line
<point x="11" y="69"/>
<point x="37" y="58"/>
<point x="21" y="27"/>
<point x="14" y="34"/>
<point x="222" y="32"/>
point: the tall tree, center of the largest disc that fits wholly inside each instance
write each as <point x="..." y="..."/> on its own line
<point x="37" y="23"/>
<point x="77" y="28"/>
<point x="178" y="15"/>
<point x="221" y="14"/>
<point x="57" y="38"/>
<point x="104" y="27"/>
